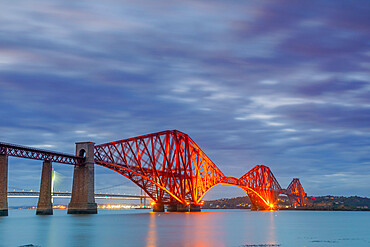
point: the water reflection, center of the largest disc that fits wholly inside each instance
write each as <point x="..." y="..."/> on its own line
<point x="45" y="228"/>
<point x="83" y="231"/>
<point x="271" y="229"/>
<point x="184" y="229"/>
<point x="151" y="240"/>
<point x="235" y="228"/>
<point x="218" y="228"/>
<point x="203" y="229"/>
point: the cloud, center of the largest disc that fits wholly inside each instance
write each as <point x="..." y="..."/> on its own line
<point x="325" y="87"/>
<point x="279" y="83"/>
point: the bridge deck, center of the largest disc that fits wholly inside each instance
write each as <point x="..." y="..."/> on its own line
<point x="35" y="194"/>
<point x="39" y="154"/>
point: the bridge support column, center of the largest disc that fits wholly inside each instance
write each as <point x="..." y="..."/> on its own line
<point x="172" y="208"/>
<point x="158" y="207"/>
<point x="182" y="208"/>
<point x="3" y="185"/>
<point x="45" y="206"/>
<point x="195" y="208"/>
<point x="178" y="207"/>
<point x="83" y="197"/>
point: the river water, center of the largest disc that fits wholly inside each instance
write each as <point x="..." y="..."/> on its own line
<point x="234" y="228"/>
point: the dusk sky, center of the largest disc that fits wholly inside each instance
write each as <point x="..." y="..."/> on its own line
<point x="280" y="83"/>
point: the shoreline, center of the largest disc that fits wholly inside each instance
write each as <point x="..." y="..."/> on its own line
<point x="302" y="209"/>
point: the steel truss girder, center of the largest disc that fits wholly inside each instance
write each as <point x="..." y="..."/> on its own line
<point x="39" y="154"/>
<point x="296" y="193"/>
<point x="264" y="189"/>
<point x="168" y="165"/>
<point x="171" y="168"/>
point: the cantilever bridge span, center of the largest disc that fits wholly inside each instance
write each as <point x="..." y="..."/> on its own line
<point x="169" y="166"/>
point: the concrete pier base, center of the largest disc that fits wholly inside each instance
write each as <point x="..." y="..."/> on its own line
<point x="182" y="208"/>
<point x="83" y="197"/>
<point x="172" y="208"/>
<point x="3" y="185"/>
<point x="158" y="207"/>
<point x="3" y="212"/>
<point x="195" y="208"/>
<point x="82" y="208"/>
<point x="44" y="211"/>
<point x="45" y="205"/>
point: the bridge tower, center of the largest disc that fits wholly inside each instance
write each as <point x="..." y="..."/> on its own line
<point x="83" y="200"/>
<point x="3" y="185"/>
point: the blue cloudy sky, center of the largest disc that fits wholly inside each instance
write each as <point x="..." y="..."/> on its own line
<point x="280" y="83"/>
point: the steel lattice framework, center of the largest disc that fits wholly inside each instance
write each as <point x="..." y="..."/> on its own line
<point x="261" y="186"/>
<point x="38" y="154"/>
<point x="171" y="168"/>
<point x="296" y="193"/>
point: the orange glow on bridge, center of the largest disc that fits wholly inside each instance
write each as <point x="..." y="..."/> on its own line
<point x="171" y="168"/>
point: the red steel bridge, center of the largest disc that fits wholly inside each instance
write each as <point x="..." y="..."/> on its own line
<point x="170" y="167"/>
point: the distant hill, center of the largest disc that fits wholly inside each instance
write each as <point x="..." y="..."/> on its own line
<point x="236" y="202"/>
<point x="338" y="202"/>
<point x="319" y="202"/>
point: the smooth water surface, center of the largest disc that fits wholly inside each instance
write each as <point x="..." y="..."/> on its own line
<point x="235" y="228"/>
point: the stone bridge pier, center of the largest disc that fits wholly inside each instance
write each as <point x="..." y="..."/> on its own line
<point x="3" y="185"/>
<point x="83" y="200"/>
<point x="176" y="207"/>
<point x="45" y="205"/>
